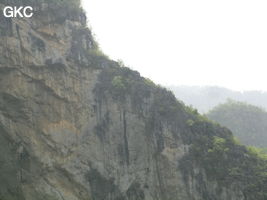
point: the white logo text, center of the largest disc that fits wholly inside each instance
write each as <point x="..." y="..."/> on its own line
<point x="13" y="12"/>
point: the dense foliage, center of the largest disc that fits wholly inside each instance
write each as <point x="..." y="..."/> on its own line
<point x="226" y="161"/>
<point x="248" y="123"/>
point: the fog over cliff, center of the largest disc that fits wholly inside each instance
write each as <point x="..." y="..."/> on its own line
<point x="206" y="97"/>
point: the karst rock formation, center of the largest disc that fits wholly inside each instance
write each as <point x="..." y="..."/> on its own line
<point x="76" y="125"/>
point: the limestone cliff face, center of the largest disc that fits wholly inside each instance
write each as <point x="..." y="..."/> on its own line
<point x="75" y="125"/>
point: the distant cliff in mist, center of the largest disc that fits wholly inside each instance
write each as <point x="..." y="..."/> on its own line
<point x="247" y="122"/>
<point x="205" y="98"/>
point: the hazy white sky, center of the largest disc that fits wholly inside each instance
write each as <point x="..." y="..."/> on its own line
<point x="186" y="42"/>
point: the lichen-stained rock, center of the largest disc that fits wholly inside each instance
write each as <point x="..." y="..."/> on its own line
<point x="75" y="125"/>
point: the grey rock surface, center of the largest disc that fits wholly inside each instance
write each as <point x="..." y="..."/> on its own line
<point x="62" y="136"/>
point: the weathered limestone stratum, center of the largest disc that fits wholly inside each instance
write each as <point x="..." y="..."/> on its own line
<point x="75" y="125"/>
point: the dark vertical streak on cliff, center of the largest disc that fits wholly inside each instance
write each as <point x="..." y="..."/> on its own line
<point x="20" y="42"/>
<point x="126" y="148"/>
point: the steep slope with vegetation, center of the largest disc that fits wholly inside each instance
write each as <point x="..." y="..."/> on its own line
<point x="248" y="123"/>
<point x="75" y="125"/>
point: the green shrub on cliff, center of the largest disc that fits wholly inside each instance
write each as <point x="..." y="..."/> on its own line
<point x="227" y="162"/>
